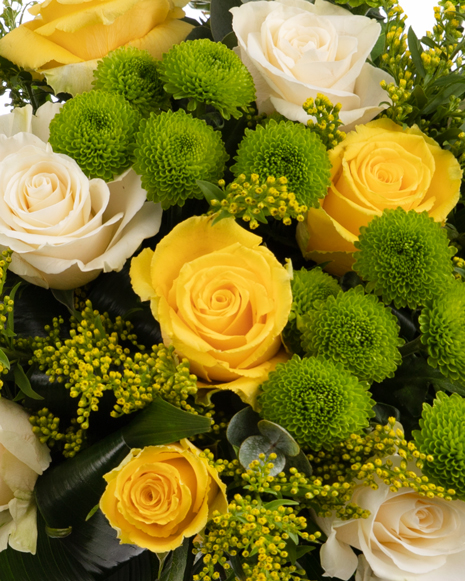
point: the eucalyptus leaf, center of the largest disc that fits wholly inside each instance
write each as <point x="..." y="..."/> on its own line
<point x="221" y="18"/>
<point x="200" y="32"/>
<point x="230" y="40"/>
<point x="300" y="463"/>
<point x="242" y="425"/>
<point x="280" y="438"/>
<point x="251" y="449"/>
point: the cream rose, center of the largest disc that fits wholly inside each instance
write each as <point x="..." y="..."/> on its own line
<point x="63" y="228"/>
<point x="407" y="537"/>
<point x="295" y="50"/>
<point x="221" y="299"/>
<point x="22" y="459"/>
<point x="67" y="37"/>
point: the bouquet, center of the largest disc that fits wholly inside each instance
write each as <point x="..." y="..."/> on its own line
<point x="232" y="292"/>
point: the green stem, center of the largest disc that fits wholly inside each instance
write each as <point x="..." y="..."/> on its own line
<point x="412" y="347"/>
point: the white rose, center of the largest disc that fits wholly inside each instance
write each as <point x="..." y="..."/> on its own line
<point x="22" y="459"/>
<point x="295" y="50"/>
<point x="407" y="537"/>
<point x="63" y="228"/>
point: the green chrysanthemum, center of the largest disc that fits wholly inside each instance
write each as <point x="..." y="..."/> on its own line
<point x="442" y="435"/>
<point x="287" y="149"/>
<point x="307" y="286"/>
<point x="134" y="74"/>
<point x="317" y="401"/>
<point x="208" y="72"/>
<point x="356" y="330"/>
<point x="174" y="150"/>
<point x="98" y="131"/>
<point x="442" y="323"/>
<point x="405" y="257"/>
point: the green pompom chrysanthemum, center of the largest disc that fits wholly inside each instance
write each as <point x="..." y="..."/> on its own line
<point x="134" y="74"/>
<point x="286" y="149"/>
<point x="317" y="401"/>
<point x="173" y="150"/>
<point x="208" y="72"/>
<point x="98" y="131"/>
<point x="356" y="330"/>
<point x="442" y="435"/>
<point x="405" y="257"/>
<point x="307" y="286"/>
<point x="442" y="323"/>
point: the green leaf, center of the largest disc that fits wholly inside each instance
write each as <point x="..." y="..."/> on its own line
<point x="10" y="325"/>
<point x="280" y="438"/>
<point x="301" y="463"/>
<point x="242" y="425"/>
<point x="274" y="504"/>
<point x="144" y="567"/>
<point x="200" y="32"/>
<point x="378" y="49"/>
<point x="175" y="570"/>
<point x="162" y="423"/>
<point x="210" y="191"/>
<point x="416" y="50"/>
<point x="221" y="18"/>
<point x="4" y="361"/>
<point x="230" y="40"/>
<point x="66" y="298"/>
<point x="22" y="381"/>
<point x="251" y="449"/>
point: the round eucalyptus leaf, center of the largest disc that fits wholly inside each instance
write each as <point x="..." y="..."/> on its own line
<point x="280" y="438"/>
<point x="251" y="449"/>
<point x="243" y="425"/>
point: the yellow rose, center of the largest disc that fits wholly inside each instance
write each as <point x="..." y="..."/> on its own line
<point x="67" y="37"/>
<point x="159" y="495"/>
<point x="221" y="299"/>
<point x="380" y="165"/>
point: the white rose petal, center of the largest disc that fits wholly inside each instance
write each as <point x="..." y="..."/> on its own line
<point x="22" y="458"/>
<point x="63" y="228"/>
<point x="295" y="50"/>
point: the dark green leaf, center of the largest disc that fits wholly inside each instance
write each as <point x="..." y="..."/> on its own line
<point x="66" y="298"/>
<point x="383" y="412"/>
<point x="242" y="425"/>
<point x="378" y="49"/>
<point x="415" y="50"/>
<point x="230" y="40"/>
<point x="221" y="18"/>
<point x="200" y="32"/>
<point x="162" y="423"/>
<point x="176" y="568"/>
<point x="10" y="325"/>
<point x="301" y="463"/>
<point x="420" y="97"/>
<point x="22" y="381"/>
<point x="144" y="567"/>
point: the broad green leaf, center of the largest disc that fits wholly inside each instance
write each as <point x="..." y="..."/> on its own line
<point x="22" y="381"/>
<point x="200" y="32"/>
<point x="301" y="463"/>
<point x="163" y="423"/>
<point x="66" y="298"/>
<point x="230" y="40"/>
<point x="378" y="49"/>
<point x="274" y="504"/>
